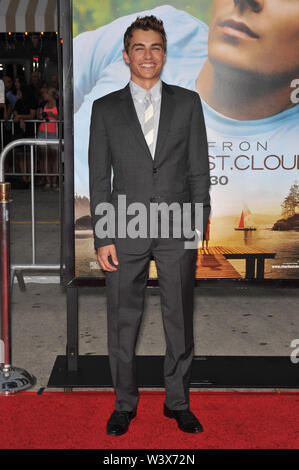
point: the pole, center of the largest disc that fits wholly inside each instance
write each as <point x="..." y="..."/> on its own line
<point x="5" y="271"/>
<point x="12" y="379"/>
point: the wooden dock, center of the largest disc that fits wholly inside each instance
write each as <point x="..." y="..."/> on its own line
<point x="214" y="262"/>
<point x="211" y="266"/>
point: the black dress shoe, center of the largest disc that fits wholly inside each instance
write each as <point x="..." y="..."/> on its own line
<point x="119" y="422"/>
<point x="186" y="420"/>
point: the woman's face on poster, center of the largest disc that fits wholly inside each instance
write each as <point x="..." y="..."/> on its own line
<point x="256" y="36"/>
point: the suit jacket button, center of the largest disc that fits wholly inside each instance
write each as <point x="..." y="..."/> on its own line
<point x="155" y="170"/>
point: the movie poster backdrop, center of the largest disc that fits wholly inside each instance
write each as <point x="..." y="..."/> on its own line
<point x="253" y="134"/>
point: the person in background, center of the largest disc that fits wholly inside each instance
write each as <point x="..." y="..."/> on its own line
<point x="5" y="112"/>
<point x="41" y="101"/>
<point x="5" y="134"/>
<point x="54" y="82"/>
<point x="206" y="237"/>
<point x="10" y="91"/>
<point x="24" y="110"/>
<point x="49" y="130"/>
<point x="2" y="91"/>
<point x="18" y="82"/>
<point x="35" y="85"/>
<point x="41" y="180"/>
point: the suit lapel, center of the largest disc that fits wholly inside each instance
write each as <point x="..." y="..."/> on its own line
<point x="166" y="112"/>
<point x="129" y="112"/>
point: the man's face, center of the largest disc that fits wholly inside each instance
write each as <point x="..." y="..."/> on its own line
<point x="34" y="78"/>
<point x="146" y="56"/>
<point x="258" y="36"/>
<point x="17" y="83"/>
<point x="7" y="82"/>
<point x="54" y="81"/>
<point x="45" y="94"/>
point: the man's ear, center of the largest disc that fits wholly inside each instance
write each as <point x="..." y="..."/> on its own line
<point x="126" y="57"/>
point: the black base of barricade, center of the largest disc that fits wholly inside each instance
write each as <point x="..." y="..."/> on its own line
<point x="207" y="372"/>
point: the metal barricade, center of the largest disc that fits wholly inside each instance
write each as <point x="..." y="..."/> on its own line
<point x="14" y="379"/>
<point x="16" y="269"/>
<point x="7" y="135"/>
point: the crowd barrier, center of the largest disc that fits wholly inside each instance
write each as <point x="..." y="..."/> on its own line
<point x="13" y="379"/>
<point x="8" y="134"/>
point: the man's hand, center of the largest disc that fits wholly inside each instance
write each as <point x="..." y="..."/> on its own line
<point x="103" y="253"/>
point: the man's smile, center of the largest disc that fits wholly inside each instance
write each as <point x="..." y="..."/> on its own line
<point x="148" y="66"/>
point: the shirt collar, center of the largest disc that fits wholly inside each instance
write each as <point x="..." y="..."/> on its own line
<point x="139" y="93"/>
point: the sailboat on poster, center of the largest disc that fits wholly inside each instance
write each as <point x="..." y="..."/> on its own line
<point x="245" y="222"/>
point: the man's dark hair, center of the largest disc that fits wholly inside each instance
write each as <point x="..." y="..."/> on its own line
<point x="146" y="23"/>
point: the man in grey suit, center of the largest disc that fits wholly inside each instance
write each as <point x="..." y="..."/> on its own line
<point x="153" y="137"/>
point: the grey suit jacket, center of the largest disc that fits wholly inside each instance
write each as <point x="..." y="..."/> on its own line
<point x="179" y="171"/>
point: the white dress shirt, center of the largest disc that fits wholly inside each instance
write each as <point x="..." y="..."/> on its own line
<point x="138" y="95"/>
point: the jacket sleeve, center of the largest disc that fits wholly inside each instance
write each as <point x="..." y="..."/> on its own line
<point x="99" y="160"/>
<point x="199" y="169"/>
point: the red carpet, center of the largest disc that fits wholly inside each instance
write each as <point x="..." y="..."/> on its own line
<point x="77" y="420"/>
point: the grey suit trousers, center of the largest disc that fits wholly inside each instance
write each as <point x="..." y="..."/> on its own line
<point x="125" y="303"/>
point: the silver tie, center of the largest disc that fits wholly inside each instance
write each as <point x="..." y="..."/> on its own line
<point x="149" y="123"/>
